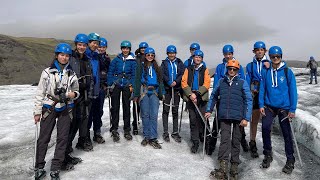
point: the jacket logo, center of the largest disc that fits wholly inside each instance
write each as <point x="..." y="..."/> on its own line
<point x="236" y="84"/>
<point x="282" y="79"/>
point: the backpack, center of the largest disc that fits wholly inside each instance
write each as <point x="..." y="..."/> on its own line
<point x="313" y="64"/>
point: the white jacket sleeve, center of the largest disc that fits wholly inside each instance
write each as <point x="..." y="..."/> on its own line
<point x="41" y="91"/>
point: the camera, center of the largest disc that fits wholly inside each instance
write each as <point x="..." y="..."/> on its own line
<point x="61" y="92"/>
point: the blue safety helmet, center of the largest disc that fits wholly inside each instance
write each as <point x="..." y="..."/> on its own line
<point x="63" y="48"/>
<point x="125" y="44"/>
<point x="275" y="50"/>
<point x="81" y="38"/>
<point x="259" y="44"/>
<point x="195" y="46"/>
<point x="143" y="45"/>
<point x="311" y="58"/>
<point x="103" y="42"/>
<point x="94" y="37"/>
<point x="198" y="53"/>
<point x="149" y="50"/>
<point x="227" y="49"/>
<point x="171" y="49"/>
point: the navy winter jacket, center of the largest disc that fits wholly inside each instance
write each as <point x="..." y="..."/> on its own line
<point x="235" y="101"/>
<point x="172" y="71"/>
<point x="94" y="59"/>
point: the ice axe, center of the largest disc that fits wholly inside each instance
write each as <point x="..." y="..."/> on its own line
<point x="181" y="113"/>
<point x="137" y="115"/>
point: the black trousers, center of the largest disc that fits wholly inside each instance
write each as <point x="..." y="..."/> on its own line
<point x="196" y="123"/>
<point x="46" y="127"/>
<point x="115" y="108"/>
<point x="166" y="109"/>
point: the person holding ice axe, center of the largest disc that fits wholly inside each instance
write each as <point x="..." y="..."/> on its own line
<point x="195" y="84"/>
<point x="172" y="69"/>
<point x="278" y="97"/>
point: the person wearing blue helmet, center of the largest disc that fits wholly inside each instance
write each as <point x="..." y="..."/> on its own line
<point x="172" y="71"/>
<point x="150" y="92"/>
<point x="195" y="84"/>
<point x="96" y="111"/>
<point x="81" y="65"/>
<point x="92" y="54"/>
<point x="221" y="72"/>
<point x="278" y="97"/>
<point x="57" y="89"/>
<point x="253" y="78"/>
<point x="313" y="65"/>
<point x="139" y="56"/>
<point x="120" y="79"/>
<point x="193" y="47"/>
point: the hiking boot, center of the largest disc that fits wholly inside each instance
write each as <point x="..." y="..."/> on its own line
<point x="221" y="173"/>
<point x="115" y="136"/>
<point x="266" y="161"/>
<point x="288" y="168"/>
<point x="176" y="137"/>
<point x="155" y="144"/>
<point x="144" y="142"/>
<point x="67" y="166"/>
<point x="40" y="174"/>
<point x="253" y="149"/>
<point x="195" y="146"/>
<point x="83" y="145"/>
<point x="234" y="171"/>
<point x="244" y="144"/>
<point x="55" y="175"/>
<point x="98" y="138"/>
<point x="127" y="135"/>
<point x="135" y="132"/>
<point x="88" y="143"/>
<point x="166" y="137"/>
<point x="73" y="160"/>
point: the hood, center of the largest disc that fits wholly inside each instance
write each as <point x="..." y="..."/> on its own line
<point x="274" y="73"/>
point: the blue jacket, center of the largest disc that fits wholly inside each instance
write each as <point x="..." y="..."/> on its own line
<point x="221" y="71"/>
<point x="122" y="71"/>
<point x="235" y="101"/>
<point x="94" y="59"/>
<point x="253" y="71"/>
<point x="278" y="91"/>
<point x="150" y="79"/>
<point x="189" y="62"/>
<point x="172" y="71"/>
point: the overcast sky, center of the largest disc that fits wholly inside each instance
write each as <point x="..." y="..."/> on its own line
<point x="293" y="25"/>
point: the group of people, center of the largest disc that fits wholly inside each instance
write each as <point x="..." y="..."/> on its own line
<point x="74" y="87"/>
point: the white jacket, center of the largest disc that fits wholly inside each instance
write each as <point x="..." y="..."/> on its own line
<point x="51" y="79"/>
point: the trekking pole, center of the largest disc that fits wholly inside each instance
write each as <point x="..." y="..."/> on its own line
<point x="216" y="119"/>
<point x="204" y="139"/>
<point x="181" y="113"/>
<point x="35" y="146"/>
<point x="109" y="101"/>
<point x="137" y="116"/>
<point x="201" y="115"/>
<point x="295" y="141"/>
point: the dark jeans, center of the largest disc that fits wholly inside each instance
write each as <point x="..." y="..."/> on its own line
<point x="166" y="109"/>
<point x="96" y="112"/>
<point x="267" y="121"/>
<point x="313" y="72"/>
<point x="227" y="145"/>
<point x="115" y="108"/>
<point x="46" y="128"/>
<point x="79" y="122"/>
<point x="196" y="123"/>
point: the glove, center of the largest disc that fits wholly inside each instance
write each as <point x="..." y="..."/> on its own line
<point x="109" y="91"/>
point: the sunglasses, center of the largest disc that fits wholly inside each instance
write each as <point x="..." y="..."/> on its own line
<point x="232" y="69"/>
<point x="275" y="56"/>
<point x="151" y="55"/>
